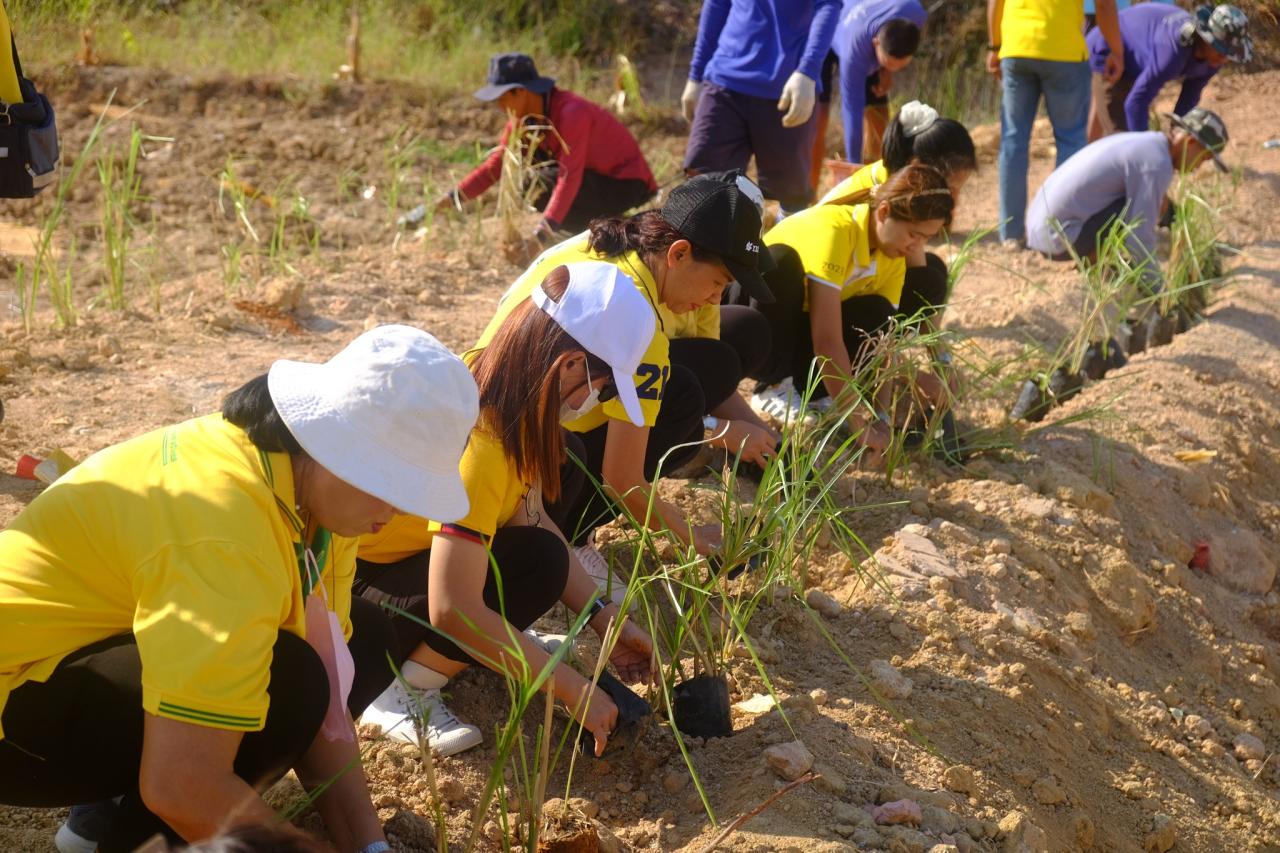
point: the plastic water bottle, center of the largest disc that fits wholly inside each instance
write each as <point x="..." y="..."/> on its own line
<point x="1271" y="143"/>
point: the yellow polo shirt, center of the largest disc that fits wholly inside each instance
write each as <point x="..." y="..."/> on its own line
<point x="493" y="486"/>
<point x="862" y="181"/>
<point x="833" y="245"/>
<point x="655" y="367"/>
<point x="186" y="537"/>
<point x="1043" y="29"/>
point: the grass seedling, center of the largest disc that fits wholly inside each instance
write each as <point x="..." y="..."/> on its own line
<point x="121" y="190"/>
<point x="47" y="269"/>
<point x="524" y="176"/>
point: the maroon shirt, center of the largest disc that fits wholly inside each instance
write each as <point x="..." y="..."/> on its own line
<point x="592" y="140"/>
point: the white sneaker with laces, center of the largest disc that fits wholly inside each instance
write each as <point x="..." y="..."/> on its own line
<point x="408" y="714"/>
<point x="597" y="568"/>
<point x="781" y="402"/>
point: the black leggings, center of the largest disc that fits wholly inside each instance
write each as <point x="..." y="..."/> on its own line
<point x="924" y="295"/>
<point x="719" y="365"/>
<point x="77" y="738"/>
<point x="534" y="564"/>
<point x="679" y="422"/>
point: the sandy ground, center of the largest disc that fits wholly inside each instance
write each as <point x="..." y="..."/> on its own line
<point x="1072" y="683"/>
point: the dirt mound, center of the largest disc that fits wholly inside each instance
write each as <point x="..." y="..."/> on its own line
<point x="1048" y="673"/>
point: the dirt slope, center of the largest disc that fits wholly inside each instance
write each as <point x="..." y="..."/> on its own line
<point x="1074" y="685"/>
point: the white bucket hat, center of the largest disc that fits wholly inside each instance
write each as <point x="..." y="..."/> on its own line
<point x="390" y="415"/>
<point x="603" y="310"/>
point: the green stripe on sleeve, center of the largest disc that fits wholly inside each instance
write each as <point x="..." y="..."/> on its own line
<point x="230" y="721"/>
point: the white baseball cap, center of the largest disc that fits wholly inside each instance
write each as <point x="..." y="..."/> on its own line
<point x="603" y="310"/>
<point x="390" y="414"/>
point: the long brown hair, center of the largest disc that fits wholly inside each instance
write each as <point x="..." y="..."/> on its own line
<point x="916" y="194"/>
<point x="518" y="375"/>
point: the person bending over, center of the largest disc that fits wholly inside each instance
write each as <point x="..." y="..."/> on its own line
<point x="587" y="163"/>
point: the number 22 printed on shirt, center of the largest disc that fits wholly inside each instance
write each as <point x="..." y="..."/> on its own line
<point x="652" y="381"/>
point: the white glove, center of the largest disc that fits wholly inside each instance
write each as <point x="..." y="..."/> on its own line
<point x="689" y="99"/>
<point x="798" y="98"/>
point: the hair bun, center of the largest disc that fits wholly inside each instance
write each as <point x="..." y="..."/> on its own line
<point x="916" y="117"/>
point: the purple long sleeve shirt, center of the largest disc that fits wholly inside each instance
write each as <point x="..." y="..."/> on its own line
<point x="860" y="20"/>
<point x="1156" y="50"/>
<point x="753" y="46"/>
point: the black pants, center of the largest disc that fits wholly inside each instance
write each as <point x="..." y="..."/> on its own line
<point x="598" y="195"/>
<point x="77" y="738"/>
<point x="679" y="422"/>
<point x="719" y="365"/>
<point x="924" y="294"/>
<point x="534" y="565"/>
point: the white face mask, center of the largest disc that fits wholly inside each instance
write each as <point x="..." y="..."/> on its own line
<point x="569" y="413"/>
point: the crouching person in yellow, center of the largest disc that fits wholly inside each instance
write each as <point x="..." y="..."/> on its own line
<point x="578" y="337"/>
<point x="176" y="622"/>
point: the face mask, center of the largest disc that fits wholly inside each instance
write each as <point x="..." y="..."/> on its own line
<point x="568" y="413"/>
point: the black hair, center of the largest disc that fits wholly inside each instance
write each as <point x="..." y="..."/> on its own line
<point x="647" y="233"/>
<point x="899" y="38"/>
<point x="945" y="145"/>
<point x="251" y="408"/>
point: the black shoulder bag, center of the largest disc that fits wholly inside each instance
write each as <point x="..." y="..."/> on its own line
<point x="28" y="140"/>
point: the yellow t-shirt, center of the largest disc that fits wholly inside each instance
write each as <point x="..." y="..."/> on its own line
<point x="9" y="90"/>
<point x="1043" y="29"/>
<point x="865" y="179"/>
<point x="493" y="486"/>
<point x="831" y="240"/>
<point x="186" y="537"/>
<point x="655" y="367"/>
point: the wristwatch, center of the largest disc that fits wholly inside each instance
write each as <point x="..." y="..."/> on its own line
<point x="711" y="423"/>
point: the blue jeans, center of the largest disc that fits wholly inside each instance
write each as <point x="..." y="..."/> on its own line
<point x="1065" y="86"/>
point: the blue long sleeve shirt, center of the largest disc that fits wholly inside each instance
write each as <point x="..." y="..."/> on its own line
<point x="753" y="46"/>
<point x="1134" y="167"/>
<point x="1155" y="52"/>
<point x="860" y="21"/>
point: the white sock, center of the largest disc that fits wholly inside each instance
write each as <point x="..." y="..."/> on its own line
<point x="421" y="677"/>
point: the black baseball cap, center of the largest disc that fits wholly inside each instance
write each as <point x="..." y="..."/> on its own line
<point x="720" y="212"/>
<point x="509" y="71"/>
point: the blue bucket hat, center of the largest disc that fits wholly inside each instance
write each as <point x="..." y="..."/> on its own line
<point x="509" y="71"/>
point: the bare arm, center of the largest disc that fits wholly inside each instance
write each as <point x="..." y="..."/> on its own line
<point x="995" y="19"/>
<point x="828" y="338"/>
<point x="345" y="804"/>
<point x="186" y="779"/>
<point x="1109" y="24"/>
<point x="457" y="607"/>
<point x="623" y="475"/>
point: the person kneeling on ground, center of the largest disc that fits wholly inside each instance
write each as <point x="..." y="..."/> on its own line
<point x="176" y="621"/>
<point x="589" y="165"/>
<point x="680" y="259"/>
<point x="1122" y="178"/>
<point x="842" y="279"/>
<point x="579" y="337"/>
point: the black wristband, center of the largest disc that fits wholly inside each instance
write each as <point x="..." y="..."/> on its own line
<point x="596" y="607"/>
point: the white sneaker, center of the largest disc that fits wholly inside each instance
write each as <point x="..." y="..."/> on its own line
<point x="410" y="714"/>
<point x="783" y="403"/>
<point x="83" y="827"/>
<point x="597" y="568"/>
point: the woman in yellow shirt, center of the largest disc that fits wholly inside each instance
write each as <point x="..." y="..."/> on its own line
<point x="579" y="337"/>
<point x="176" y="622"/>
<point x="916" y="135"/>
<point x="681" y="258"/>
<point x="842" y="278"/>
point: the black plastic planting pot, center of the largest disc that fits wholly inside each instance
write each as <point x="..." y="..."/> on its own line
<point x="701" y="707"/>
<point x="1036" y="400"/>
